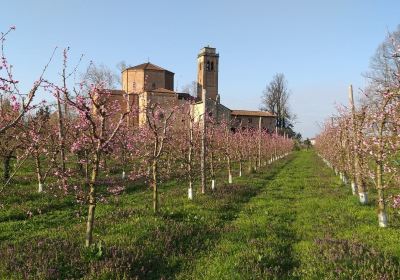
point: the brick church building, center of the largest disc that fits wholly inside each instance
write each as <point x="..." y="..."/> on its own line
<point x="147" y="83"/>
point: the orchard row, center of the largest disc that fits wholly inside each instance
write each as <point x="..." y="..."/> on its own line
<point x="86" y="139"/>
<point x="363" y="147"/>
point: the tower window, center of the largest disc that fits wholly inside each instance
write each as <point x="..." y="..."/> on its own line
<point x="212" y="66"/>
<point x="200" y="66"/>
<point x="208" y="65"/>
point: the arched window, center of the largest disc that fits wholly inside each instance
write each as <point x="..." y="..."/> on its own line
<point x="208" y="65"/>
<point x="200" y="67"/>
<point x="212" y="66"/>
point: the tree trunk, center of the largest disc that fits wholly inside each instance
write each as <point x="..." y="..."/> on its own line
<point x="259" y="141"/>
<point x="61" y="135"/>
<point x="359" y="183"/>
<point x="353" y="187"/>
<point x="229" y="171"/>
<point x="104" y="163"/>
<point x="212" y="171"/>
<point x="362" y="191"/>
<point x="345" y="179"/>
<point x="92" y="201"/>
<point x="123" y="156"/>
<point x="382" y="216"/>
<point x="78" y="163"/>
<point x="155" y="187"/>
<point x="240" y="168"/>
<point x="169" y="166"/>
<point x="190" y="190"/>
<point x="39" y="173"/>
<point x="189" y="166"/>
<point x="6" y="166"/>
<point x="86" y="167"/>
<point x="203" y="144"/>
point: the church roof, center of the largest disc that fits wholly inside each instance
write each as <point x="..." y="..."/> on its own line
<point x="162" y="90"/>
<point x="147" y="66"/>
<point x="185" y="96"/>
<point x="252" y="113"/>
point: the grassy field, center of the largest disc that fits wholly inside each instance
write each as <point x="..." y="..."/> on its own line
<point x="292" y="220"/>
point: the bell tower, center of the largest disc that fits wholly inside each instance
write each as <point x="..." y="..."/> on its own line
<point x="207" y="77"/>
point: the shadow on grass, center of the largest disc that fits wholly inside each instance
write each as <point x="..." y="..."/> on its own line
<point x="162" y="248"/>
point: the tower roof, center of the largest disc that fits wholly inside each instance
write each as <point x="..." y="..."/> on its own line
<point x="148" y="66"/>
<point x="208" y="51"/>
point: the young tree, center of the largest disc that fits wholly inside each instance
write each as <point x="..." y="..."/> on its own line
<point x="379" y="149"/>
<point x="214" y="150"/>
<point x="9" y="89"/>
<point x="40" y="140"/>
<point x="191" y="130"/>
<point x="99" y="120"/>
<point x="226" y="138"/>
<point x="152" y="140"/>
<point x="358" y="119"/>
<point x="10" y="139"/>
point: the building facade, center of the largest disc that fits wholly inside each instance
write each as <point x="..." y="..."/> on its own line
<point x="147" y="84"/>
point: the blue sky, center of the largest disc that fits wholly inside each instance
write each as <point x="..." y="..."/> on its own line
<point x="320" y="46"/>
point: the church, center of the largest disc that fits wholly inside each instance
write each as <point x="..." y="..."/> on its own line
<point x="148" y="84"/>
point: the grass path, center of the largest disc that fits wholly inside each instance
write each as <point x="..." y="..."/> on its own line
<point x="292" y="220"/>
<point x="304" y="224"/>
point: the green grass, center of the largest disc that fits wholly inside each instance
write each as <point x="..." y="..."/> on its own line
<point x="292" y="220"/>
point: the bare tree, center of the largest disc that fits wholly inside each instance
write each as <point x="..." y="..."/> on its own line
<point x="190" y="88"/>
<point x="121" y="66"/>
<point x="383" y="74"/>
<point x="275" y="99"/>
<point x="100" y="74"/>
<point x="384" y="68"/>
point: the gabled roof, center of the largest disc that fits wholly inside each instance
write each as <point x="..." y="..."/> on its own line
<point x="147" y="66"/>
<point x="185" y="96"/>
<point x="162" y="90"/>
<point x="252" y="113"/>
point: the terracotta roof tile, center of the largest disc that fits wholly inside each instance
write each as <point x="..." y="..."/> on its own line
<point x="252" y="113"/>
<point x="147" y="66"/>
<point x="162" y="90"/>
<point x="185" y="96"/>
